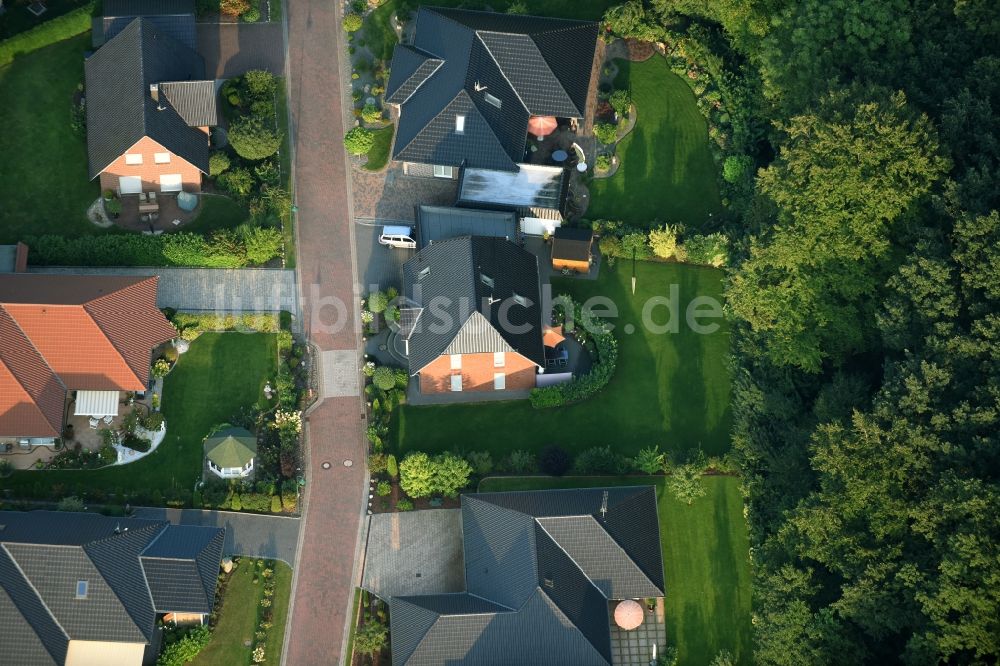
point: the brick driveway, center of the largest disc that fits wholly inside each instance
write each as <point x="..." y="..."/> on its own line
<point x="390" y="195"/>
<point x="230" y="49"/>
<point x="335" y="497"/>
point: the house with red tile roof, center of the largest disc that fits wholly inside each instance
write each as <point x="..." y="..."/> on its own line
<point x="84" y="338"/>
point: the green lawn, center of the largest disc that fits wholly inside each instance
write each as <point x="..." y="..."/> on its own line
<point x="670" y="389"/>
<point x="667" y="171"/>
<point x="214" y="380"/>
<point x="705" y="559"/>
<point x="18" y="19"/>
<point x="239" y="616"/>
<point x="378" y="156"/>
<point x="218" y="212"/>
<point x="44" y="185"/>
<point x="381" y="38"/>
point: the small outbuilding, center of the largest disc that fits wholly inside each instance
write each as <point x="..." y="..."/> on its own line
<point x="230" y="452"/>
<point x="571" y="249"/>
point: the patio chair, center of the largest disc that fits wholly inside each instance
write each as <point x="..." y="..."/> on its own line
<point x="108" y="419"/>
<point x="142" y="197"/>
<point x="94" y="422"/>
<point x="152" y="197"/>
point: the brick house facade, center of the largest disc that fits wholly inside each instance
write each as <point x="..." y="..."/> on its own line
<point x="478" y="372"/>
<point x="151" y="162"/>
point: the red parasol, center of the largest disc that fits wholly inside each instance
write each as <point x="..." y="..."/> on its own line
<point x="628" y="615"/>
<point x="542" y="125"/>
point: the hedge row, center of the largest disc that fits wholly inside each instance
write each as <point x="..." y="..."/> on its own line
<point x="603" y="368"/>
<point x="62" y="27"/>
<point x="191" y="325"/>
<point x="221" y="249"/>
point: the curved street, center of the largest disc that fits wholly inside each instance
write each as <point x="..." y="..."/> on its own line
<point x="335" y="456"/>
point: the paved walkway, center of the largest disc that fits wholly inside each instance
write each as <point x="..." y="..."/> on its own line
<point x="325" y="570"/>
<point x="271" y="537"/>
<point x="209" y="289"/>
<point x="230" y="49"/>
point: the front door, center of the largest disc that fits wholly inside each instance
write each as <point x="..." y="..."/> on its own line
<point x="130" y="184"/>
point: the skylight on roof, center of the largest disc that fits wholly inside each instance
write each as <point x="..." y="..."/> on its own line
<point x="460" y="124"/>
<point x="81" y="589"/>
<point x="492" y="100"/>
<point x="520" y="300"/>
<point x="424" y="272"/>
<point x="487" y="280"/>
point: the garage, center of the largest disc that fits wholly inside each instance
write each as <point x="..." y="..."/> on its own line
<point x="130" y="184"/>
<point x="170" y="182"/>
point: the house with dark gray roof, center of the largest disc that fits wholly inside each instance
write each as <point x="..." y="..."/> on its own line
<point x="82" y="588"/>
<point x="543" y="572"/>
<point x="438" y="223"/>
<point x="174" y="18"/>
<point x="149" y="106"/>
<point x="467" y="86"/>
<point x="472" y="316"/>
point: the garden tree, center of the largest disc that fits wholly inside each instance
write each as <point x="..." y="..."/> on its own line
<point x="553" y="460"/>
<point x="253" y="139"/>
<point x="450" y="474"/>
<point x="416" y="475"/>
<point x="663" y="240"/>
<point x="384" y="378"/>
<point x="685" y="483"/>
<point x="378" y="301"/>
<point x="217" y="163"/>
<point x="359" y="141"/>
<point x="650" y="460"/>
<point x="352" y="22"/>
<point x="737" y="168"/>
<point x="371" y="637"/>
<point x="845" y="177"/>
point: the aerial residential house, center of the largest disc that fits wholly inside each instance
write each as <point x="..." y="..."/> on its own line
<point x="472" y="319"/>
<point x="82" y="589"/>
<point x="72" y="342"/>
<point x="545" y="572"/>
<point x="149" y="108"/>
<point x="471" y="85"/>
<point x="174" y="18"/>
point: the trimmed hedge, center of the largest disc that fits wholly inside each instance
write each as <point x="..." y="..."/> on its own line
<point x="55" y="30"/>
<point x="600" y="373"/>
<point x="191" y="325"/>
<point x="222" y="249"/>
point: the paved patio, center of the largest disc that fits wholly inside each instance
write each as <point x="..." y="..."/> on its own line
<point x="635" y="648"/>
<point x="161" y="220"/>
<point x="416" y="552"/>
<point x="390" y="196"/>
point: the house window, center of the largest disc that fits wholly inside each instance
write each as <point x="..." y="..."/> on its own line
<point x="171" y="182"/>
<point x="133" y="158"/>
<point x="459" y="124"/>
<point x="499" y="381"/>
<point x="81" y="589"/>
<point x="456" y="361"/>
<point x="487" y="280"/>
<point x="456" y="382"/>
<point x="498" y="359"/>
<point x="441" y="171"/>
<point x="161" y="158"/>
<point x="520" y="300"/>
<point x="492" y="100"/>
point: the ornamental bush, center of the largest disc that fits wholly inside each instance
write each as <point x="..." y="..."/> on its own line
<point x="371" y="638"/>
<point x="606" y="132"/>
<point x="378" y="301"/>
<point x="650" y="460"/>
<point x="253" y="139"/>
<point x="554" y="461"/>
<point x="260" y="83"/>
<point x="234" y="7"/>
<point x="384" y="378"/>
<point x="371" y="114"/>
<point x="736" y="168"/>
<point x="663" y="241"/>
<point x="416" y="474"/>
<point x="710" y="250"/>
<point x="251" y="15"/>
<point x="352" y="22"/>
<point x="451" y="474"/>
<point x="359" y="141"/>
<point x="187" y="648"/>
<point x="620" y="101"/>
<point x="600" y="460"/>
<point x="218" y="163"/>
<point x="603" y="162"/>
<point x="239" y="182"/>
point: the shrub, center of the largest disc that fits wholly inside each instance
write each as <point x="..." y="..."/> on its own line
<point x="606" y="132"/>
<point x="630" y="20"/>
<point x="711" y="250"/>
<point x="359" y="141"/>
<point x="384" y="378"/>
<point x="267" y="172"/>
<point x="234" y="7"/>
<point x="371" y="638"/>
<point x="650" y="460"/>
<point x="6" y="469"/>
<point x="685" y="483"/>
<point x="160" y="368"/>
<point x="610" y="246"/>
<point x="371" y="114"/>
<point x="152" y="422"/>
<point x="517" y="7"/>
<point x="383" y="488"/>
<point x="352" y="22"/>
<point x="620" y="101"/>
<point x="377" y="461"/>
<point x="553" y="460"/>
<point x="136" y="443"/>
<point x="251" y="15"/>
<point x="600" y="460"/>
<point x="252" y="139"/>
<point x="404" y="504"/>
<point x="391" y="467"/>
<point x="71" y="503"/>
<point x="186" y="649"/>
<point x="519" y="461"/>
<point x="636" y="244"/>
<point x="260" y="84"/>
<point x="378" y="301"/>
<point x="416" y="475"/>
<point x="737" y="168"/>
<point x="238" y="182"/>
<point x="261" y="244"/>
<point x="113" y="207"/>
<point x="663" y="241"/>
<point x="275" y="504"/>
<point x="214" y="492"/>
<point x="218" y="162"/>
<point x="451" y="474"/>
<point x="481" y="461"/>
<point x="603" y="162"/>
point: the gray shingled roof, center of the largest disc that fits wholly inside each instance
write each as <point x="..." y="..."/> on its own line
<point x="120" y="108"/>
<point x="174" y="18"/>
<point x="44" y="554"/>
<point x="540" y="569"/>
<point x="462" y="318"/>
<point x="194" y="101"/>
<point x="437" y="223"/>
<point x="464" y="63"/>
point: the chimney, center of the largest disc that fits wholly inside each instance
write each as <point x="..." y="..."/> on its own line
<point x="154" y="91"/>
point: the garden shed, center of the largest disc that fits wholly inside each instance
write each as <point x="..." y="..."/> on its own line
<point x="571" y="249"/>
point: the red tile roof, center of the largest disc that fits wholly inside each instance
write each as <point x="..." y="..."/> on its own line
<point x="72" y="332"/>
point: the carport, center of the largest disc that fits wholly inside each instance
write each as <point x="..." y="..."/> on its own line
<point x="415" y="552"/>
<point x="437" y="223"/>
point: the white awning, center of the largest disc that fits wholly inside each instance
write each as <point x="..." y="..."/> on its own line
<point x="97" y="403"/>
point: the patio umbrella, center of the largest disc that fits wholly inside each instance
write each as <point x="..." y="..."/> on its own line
<point x="628" y="615"/>
<point x="542" y="125"/>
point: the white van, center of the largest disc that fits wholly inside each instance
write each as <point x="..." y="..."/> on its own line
<point x="397" y="237"/>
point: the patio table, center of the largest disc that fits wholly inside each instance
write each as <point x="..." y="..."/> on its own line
<point x="559" y="155"/>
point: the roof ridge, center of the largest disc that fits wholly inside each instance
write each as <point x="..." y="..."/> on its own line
<point x="111" y="342"/>
<point x="500" y="69"/>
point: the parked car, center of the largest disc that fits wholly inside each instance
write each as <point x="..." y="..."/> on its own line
<point x="397" y="236"/>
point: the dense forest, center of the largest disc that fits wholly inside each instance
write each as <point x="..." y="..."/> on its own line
<point x="866" y="296"/>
